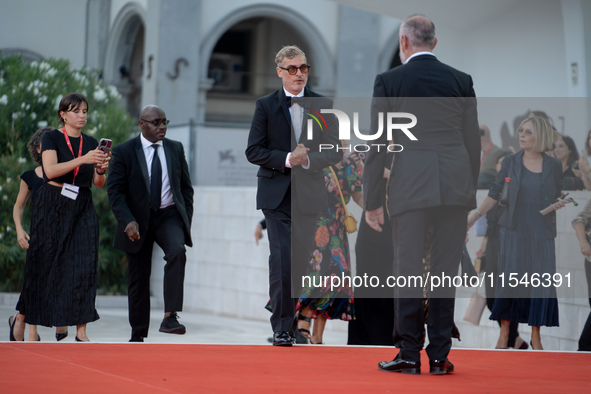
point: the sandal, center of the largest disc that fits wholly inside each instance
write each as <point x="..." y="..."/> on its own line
<point x="303" y="331"/>
<point x="11" y="322"/>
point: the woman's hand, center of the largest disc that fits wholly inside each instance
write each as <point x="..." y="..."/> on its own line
<point x="23" y="238"/>
<point x="96" y="157"/>
<point x="105" y="164"/>
<point x="559" y="204"/>
<point x="357" y="160"/>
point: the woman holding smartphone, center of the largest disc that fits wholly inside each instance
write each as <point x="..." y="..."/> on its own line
<point x="63" y="249"/>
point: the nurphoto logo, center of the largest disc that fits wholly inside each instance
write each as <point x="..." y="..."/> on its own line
<point x="392" y="119"/>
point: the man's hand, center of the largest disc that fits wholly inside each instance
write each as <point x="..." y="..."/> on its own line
<point x="299" y="156"/>
<point x="375" y="218"/>
<point x="258" y="233"/>
<point x="133" y="231"/>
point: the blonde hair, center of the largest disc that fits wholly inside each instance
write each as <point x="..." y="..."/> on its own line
<point x="543" y="132"/>
<point x="289" y="52"/>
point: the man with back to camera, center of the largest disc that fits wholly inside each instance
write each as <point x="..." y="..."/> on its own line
<point x="432" y="184"/>
<point x="151" y="196"/>
<point x="290" y="181"/>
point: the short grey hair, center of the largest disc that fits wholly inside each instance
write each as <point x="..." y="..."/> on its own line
<point x="289" y="51"/>
<point x="419" y="30"/>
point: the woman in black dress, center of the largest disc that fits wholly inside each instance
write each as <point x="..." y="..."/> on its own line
<point x="31" y="180"/>
<point x="63" y="249"/>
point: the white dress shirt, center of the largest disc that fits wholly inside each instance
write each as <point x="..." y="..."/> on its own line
<point x="419" y="54"/>
<point x="297" y="116"/>
<point x="166" y="196"/>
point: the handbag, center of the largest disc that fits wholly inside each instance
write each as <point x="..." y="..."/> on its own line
<point x="350" y="222"/>
<point x="475" y="309"/>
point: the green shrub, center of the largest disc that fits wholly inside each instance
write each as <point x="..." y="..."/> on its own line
<point x="29" y="97"/>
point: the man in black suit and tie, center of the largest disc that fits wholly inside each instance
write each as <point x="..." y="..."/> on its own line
<point x="151" y="196"/>
<point x="432" y="186"/>
<point x="290" y="181"/>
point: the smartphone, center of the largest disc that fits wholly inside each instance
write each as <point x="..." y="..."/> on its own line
<point x="105" y="145"/>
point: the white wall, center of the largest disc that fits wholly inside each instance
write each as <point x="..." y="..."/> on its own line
<point x="52" y="29"/>
<point x="519" y="53"/>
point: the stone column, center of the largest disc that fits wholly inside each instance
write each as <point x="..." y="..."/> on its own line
<point x="171" y="57"/>
<point x="98" y="14"/>
<point x="357" y="52"/>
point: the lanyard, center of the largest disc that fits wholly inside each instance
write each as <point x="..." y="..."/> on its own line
<point x="71" y="150"/>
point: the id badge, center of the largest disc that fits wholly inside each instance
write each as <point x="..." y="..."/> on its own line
<point x="70" y="191"/>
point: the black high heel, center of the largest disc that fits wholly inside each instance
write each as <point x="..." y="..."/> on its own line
<point x="61" y="335"/>
<point x="78" y="339"/>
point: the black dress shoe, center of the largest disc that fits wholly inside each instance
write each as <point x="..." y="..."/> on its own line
<point x="171" y="325"/>
<point x="440" y="367"/>
<point x="400" y="365"/>
<point x="136" y="339"/>
<point x="282" y="338"/>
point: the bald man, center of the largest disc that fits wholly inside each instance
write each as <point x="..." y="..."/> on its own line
<point x="432" y="186"/>
<point x="151" y="196"/>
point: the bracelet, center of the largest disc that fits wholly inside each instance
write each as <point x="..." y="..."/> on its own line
<point x="479" y="213"/>
<point x="100" y="173"/>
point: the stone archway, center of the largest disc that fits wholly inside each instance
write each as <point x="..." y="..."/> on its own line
<point x="389" y="54"/>
<point x="124" y="66"/>
<point x="264" y="21"/>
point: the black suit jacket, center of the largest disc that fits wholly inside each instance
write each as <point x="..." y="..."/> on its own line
<point x="271" y="138"/>
<point x="551" y="183"/>
<point x="440" y="168"/>
<point x="129" y="189"/>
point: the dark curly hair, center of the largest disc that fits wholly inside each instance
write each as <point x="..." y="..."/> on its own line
<point x="35" y="143"/>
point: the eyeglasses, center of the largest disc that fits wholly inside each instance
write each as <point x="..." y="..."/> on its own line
<point x="157" y="123"/>
<point x="293" y="70"/>
<point x="522" y="130"/>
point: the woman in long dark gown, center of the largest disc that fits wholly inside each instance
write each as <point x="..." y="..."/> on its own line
<point x="374" y="316"/>
<point x="526" y="236"/>
<point x="63" y="249"/>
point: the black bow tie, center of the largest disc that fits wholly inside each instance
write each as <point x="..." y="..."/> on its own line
<point x="295" y="100"/>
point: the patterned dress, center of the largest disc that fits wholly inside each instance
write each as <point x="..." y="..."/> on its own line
<point x="331" y="250"/>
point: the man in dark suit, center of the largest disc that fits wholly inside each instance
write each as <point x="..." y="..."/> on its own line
<point x="151" y="196"/>
<point x="291" y="190"/>
<point x="432" y="186"/>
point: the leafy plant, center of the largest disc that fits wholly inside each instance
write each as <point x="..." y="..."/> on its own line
<point x="29" y="97"/>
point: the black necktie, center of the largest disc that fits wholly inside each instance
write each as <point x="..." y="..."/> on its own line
<point x="294" y="100"/>
<point x="156" y="180"/>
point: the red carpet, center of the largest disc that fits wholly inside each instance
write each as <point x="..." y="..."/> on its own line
<point x="154" y="368"/>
